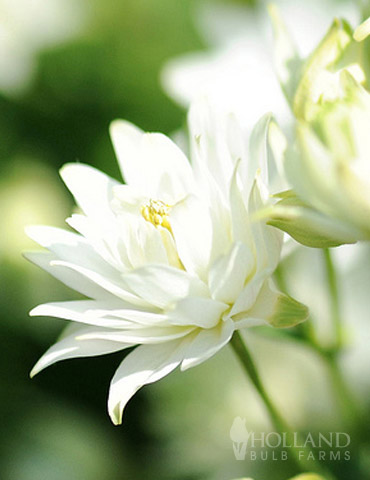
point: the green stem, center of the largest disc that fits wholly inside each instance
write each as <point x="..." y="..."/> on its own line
<point x="242" y="352"/>
<point x="345" y="398"/>
<point x="245" y="357"/>
<point x="334" y="300"/>
<point x="348" y="404"/>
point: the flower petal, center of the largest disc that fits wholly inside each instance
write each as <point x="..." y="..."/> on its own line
<point x="92" y="190"/>
<point x="248" y="295"/>
<point x="143" y="242"/>
<point x="72" y="248"/>
<point x="202" y="312"/>
<point x="149" y="335"/>
<point x="268" y="240"/>
<point x="207" y="343"/>
<point x="126" y="139"/>
<point x="277" y="309"/>
<point x="229" y="273"/>
<point x="211" y="155"/>
<point x="287" y="60"/>
<point x="72" y="279"/>
<point x="241" y="229"/>
<point x="161" y="285"/>
<point x="105" y="283"/>
<point x="69" y="347"/>
<point x="107" y="242"/>
<point x="310" y="227"/>
<point x="258" y="152"/>
<point x="152" y="163"/>
<point x="192" y="230"/>
<point x="146" y="364"/>
<point x="114" y="313"/>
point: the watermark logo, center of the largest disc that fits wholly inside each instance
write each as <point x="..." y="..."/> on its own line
<point x="315" y="446"/>
<point x="239" y="436"/>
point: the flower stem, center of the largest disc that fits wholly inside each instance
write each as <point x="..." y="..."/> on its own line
<point x="334" y="300"/>
<point x="301" y="462"/>
<point x="345" y="397"/>
<point x="244" y="355"/>
<point x="330" y="353"/>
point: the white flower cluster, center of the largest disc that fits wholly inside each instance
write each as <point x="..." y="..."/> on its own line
<point x="179" y="257"/>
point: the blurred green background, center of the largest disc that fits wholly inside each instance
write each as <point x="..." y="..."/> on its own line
<point x="67" y="73"/>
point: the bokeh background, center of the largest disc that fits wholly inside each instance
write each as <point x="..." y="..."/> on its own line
<point x="67" y="68"/>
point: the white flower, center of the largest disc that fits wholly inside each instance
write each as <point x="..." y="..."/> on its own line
<point x="327" y="166"/>
<point x="329" y="169"/>
<point x="170" y="261"/>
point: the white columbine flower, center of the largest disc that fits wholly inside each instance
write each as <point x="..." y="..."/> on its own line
<point x="328" y="165"/>
<point x="170" y="261"/>
<point x="329" y="170"/>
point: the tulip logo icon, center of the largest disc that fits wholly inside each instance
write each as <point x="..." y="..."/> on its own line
<point x="239" y="436"/>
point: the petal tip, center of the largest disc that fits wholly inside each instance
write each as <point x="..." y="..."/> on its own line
<point x="35" y="370"/>
<point x="66" y="168"/>
<point x="34" y="312"/>
<point x="115" y="413"/>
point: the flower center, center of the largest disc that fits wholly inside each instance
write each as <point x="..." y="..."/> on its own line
<point x="157" y="213"/>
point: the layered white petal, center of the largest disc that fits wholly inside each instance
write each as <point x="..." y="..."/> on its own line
<point x="265" y="303"/>
<point x="161" y="285"/>
<point x="258" y="152"/>
<point x="221" y="223"/>
<point x="70" y="347"/>
<point x="106" y="241"/>
<point x="126" y="138"/>
<point x="192" y="230"/>
<point x="110" y="286"/>
<point x="108" y="314"/>
<point x="202" y="312"/>
<point x="248" y="295"/>
<point x="149" y="335"/>
<point x="72" y="248"/>
<point x="268" y="240"/>
<point x="128" y="199"/>
<point x="146" y="364"/>
<point x="152" y="163"/>
<point x="209" y="143"/>
<point x="92" y="190"/>
<point x="71" y="278"/>
<point x="207" y="343"/>
<point x="143" y="242"/>
<point x="313" y="173"/>
<point x="229" y="273"/>
<point x="241" y="229"/>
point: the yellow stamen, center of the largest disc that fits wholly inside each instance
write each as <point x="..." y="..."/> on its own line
<point x="157" y="213"/>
